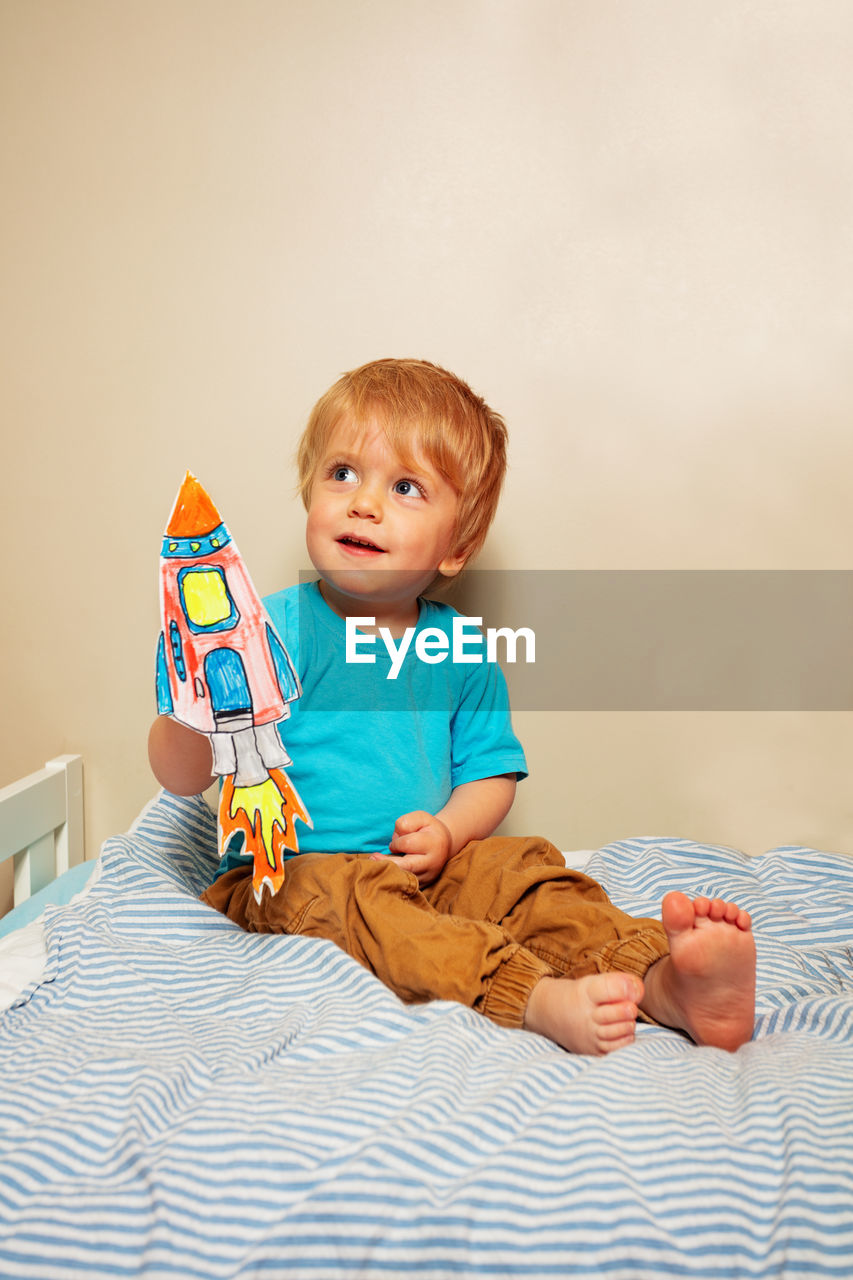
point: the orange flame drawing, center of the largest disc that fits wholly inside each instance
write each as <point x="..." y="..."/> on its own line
<point x="265" y="814"/>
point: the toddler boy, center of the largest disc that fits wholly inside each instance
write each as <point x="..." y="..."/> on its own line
<point x="401" y="466"/>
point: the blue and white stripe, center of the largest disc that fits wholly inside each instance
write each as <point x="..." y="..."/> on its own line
<point x="181" y="1099"/>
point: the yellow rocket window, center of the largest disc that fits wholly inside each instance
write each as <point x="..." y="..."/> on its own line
<point x="206" y="599"/>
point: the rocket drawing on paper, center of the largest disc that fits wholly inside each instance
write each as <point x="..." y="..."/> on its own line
<point x="223" y="671"/>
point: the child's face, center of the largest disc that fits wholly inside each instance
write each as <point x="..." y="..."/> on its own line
<point x="378" y="531"/>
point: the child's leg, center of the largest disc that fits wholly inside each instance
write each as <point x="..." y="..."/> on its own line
<point x="562" y="916"/>
<point x="596" y="954"/>
<point x="697" y="967"/>
<point x="509" y="931"/>
<point x="376" y="912"/>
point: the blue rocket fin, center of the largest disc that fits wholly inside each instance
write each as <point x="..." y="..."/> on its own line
<point x="165" y="705"/>
<point x="288" y="680"/>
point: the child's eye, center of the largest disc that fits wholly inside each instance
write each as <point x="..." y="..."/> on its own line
<point x="408" y="489"/>
<point x="342" y="473"/>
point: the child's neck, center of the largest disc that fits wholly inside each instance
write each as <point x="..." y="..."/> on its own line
<point x="395" y="616"/>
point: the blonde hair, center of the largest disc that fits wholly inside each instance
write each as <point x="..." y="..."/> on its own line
<point x="418" y="404"/>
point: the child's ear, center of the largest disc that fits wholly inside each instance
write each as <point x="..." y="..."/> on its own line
<point x="451" y="565"/>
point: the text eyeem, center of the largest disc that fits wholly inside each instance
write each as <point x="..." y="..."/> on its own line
<point x="465" y="643"/>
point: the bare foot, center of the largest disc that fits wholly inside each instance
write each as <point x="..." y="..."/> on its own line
<point x="593" y="1015"/>
<point x="706" y="985"/>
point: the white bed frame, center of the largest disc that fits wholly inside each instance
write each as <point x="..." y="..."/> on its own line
<point x="41" y="824"/>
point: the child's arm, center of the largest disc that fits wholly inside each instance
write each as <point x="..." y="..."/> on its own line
<point x="181" y="759"/>
<point x="427" y="841"/>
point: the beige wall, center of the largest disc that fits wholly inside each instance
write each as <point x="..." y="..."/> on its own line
<point x="629" y="225"/>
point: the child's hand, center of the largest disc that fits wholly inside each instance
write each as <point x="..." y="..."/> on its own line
<point x="181" y="758"/>
<point x="424" y="842"/>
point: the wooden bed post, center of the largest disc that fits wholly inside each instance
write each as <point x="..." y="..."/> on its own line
<point x="41" y="824"/>
<point x="69" y="836"/>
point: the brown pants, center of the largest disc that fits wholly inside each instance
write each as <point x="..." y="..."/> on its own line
<point x="503" y="914"/>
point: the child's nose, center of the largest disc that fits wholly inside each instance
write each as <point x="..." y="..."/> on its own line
<point x="366" y="503"/>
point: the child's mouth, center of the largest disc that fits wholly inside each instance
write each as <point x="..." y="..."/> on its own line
<point x="359" y="544"/>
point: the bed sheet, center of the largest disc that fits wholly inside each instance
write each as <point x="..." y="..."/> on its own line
<point x="182" y="1099"/>
<point x="23" y="952"/>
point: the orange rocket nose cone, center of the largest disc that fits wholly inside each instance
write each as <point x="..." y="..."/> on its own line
<point x="193" y="512"/>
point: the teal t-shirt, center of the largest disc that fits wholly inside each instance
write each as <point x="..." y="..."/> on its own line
<point x="366" y="749"/>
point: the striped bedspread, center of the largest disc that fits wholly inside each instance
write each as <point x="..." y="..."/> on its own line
<point x="180" y="1099"/>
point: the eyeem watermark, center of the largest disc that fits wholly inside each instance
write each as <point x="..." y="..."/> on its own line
<point x="666" y="640"/>
<point x="464" y="644"/>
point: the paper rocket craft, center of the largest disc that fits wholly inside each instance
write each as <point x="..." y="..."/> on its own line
<point x="223" y="670"/>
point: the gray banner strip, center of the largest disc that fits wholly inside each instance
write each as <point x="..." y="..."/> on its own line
<point x="665" y="640"/>
<point x="673" y="640"/>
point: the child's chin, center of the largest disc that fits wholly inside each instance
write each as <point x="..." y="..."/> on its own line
<point x="373" y="583"/>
